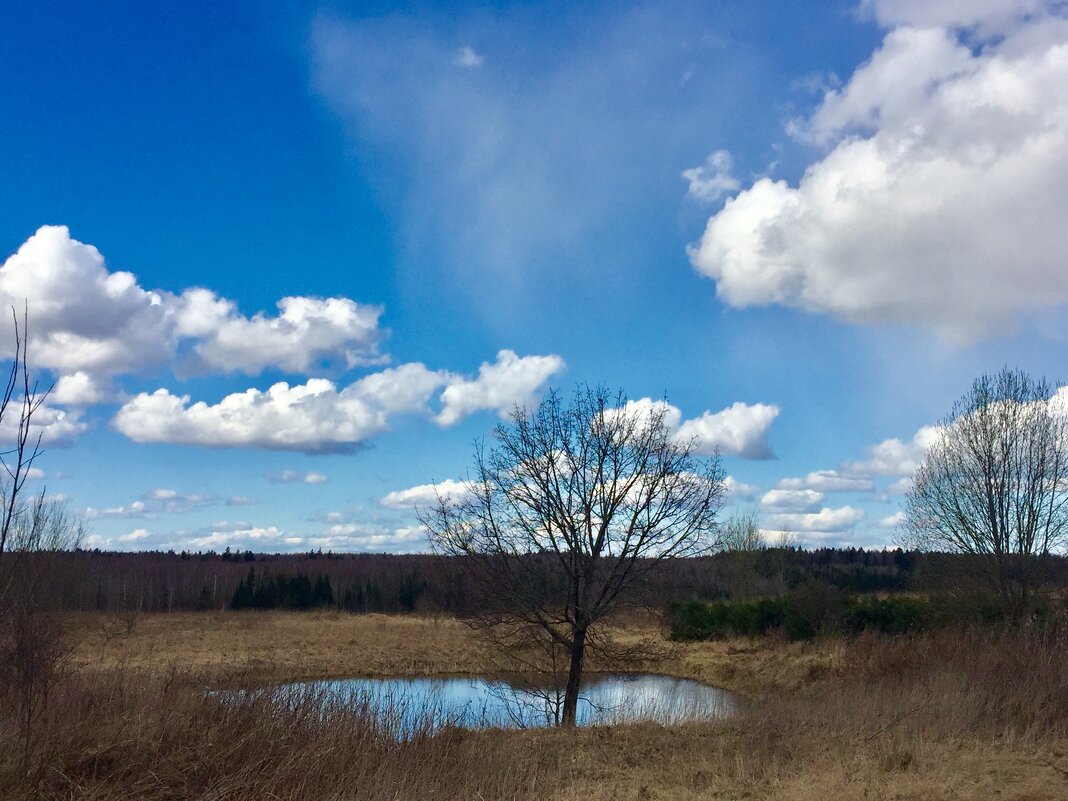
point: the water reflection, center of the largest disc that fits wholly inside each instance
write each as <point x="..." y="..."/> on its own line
<point x="410" y="703"/>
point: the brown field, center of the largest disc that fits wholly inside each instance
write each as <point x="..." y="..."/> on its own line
<point x="947" y="716"/>
<point x="279" y="646"/>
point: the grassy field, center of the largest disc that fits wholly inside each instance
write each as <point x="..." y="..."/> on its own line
<point x="947" y="716"/>
<point x="279" y="646"/>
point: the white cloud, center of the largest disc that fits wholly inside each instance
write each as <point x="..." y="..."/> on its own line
<point x="88" y="323"/>
<point x="943" y="197"/>
<point x="894" y="457"/>
<point x="739" y="430"/>
<point x="892" y="521"/>
<point x="56" y="427"/>
<point x="828" y="481"/>
<point x="317" y="417"/>
<point x="510" y="381"/>
<point x="901" y="486"/>
<point x="713" y="179"/>
<point x="792" y="500"/>
<point x="135" y="509"/>
<point x="359" y="537"/>
<point x="825" y="521"/>
<point x="739" y="490"/>
<point x="985" y="15"/>
<point x="154" y="503"/>
<point x="424" y="495"/>
<point x="81" y="389"/>
<point x="306" y="332"/>
<point x="311" y="417"/>
<point x="81" y="316"/>
<point x="241" y="536"/>
<point x="257" y="538"/>
<point x="241" y="500"/>
<point x="467" y="57"/>
<point x="297" y="477"/>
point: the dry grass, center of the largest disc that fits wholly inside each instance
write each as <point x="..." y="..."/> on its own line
<point x="271" y="646"/>
<point x="947" y="716"/>
<point x="277" y="646"/>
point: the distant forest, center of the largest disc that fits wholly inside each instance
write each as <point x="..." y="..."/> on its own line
<point x="160" y="582"/>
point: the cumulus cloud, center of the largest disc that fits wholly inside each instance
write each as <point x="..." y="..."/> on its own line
<point x="318" y="417"/>
<point x="88" y="323"/>
<point x="942" y="198"/>
<point x="713" y="179"/>
<point x="828" y="481"/>
<point x="983" y="16"/>
<point x="82" y="316"/>
<point x="792" y="500"/>
<point x="510" y="381"/>
<point x="901" y="486"/>
<point x="297" y="477"/>
<point x="739" y="490"/>
<point x="81" y="389"/>
<point x="56" y="427"/>
<point x="825" y="521"/>
<point x="425" y="495"/>
<point x="739" y="430"/>
<point x="895" y="457"/>
<point x="892" y="521"/>
<point x="305" y="333"/>
<point x="312" y="417"/>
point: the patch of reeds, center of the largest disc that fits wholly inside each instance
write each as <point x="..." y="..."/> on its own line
<point x="894" y="712"/>
<point x="124" y="735"/>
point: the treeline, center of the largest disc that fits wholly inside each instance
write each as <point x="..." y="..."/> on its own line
<point x="161" y="582"/>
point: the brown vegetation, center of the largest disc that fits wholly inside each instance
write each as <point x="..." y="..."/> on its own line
<point x="276" y="646"/>
<point x="948" y="715"/>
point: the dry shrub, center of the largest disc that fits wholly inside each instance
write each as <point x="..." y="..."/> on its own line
<point x="896" y="694"/>
<point x="923" y="716"/>
<point x="122" y="735"/>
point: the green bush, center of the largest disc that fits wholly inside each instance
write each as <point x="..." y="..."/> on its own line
<point x="815" y="608"/>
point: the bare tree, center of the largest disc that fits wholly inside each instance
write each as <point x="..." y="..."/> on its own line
<point x="21" y="399"/>
<point x="743" y="542"/>
<point x="742" y="532"/>
<point x="566" y="516"/>
<point x="32" y="530"/>
<point x="994" y="484"/>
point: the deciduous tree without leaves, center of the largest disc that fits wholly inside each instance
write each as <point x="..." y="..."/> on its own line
<point x="566" y="514"/>
<point x="995" y="484"/>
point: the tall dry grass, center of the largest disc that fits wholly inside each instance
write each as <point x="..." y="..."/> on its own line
<point x="897" y="697"/>
<point x="120" y="735"/>
<point x="947" y="715"/>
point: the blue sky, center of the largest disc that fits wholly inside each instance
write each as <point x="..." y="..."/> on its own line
<point x="809" y="226"/>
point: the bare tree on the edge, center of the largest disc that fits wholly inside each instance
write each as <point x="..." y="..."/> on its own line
<point x="564" y="517"/>
<point x="20" y="447"/>
<point x="32" y="530"/>
<point x="994" y="484"/>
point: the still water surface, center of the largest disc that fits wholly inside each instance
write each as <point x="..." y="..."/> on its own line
<point x="409" y="704"/>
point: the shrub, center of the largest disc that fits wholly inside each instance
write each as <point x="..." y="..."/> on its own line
<point x="816" y="607"/>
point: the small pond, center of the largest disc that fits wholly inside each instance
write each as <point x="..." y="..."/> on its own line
<point x="409" y="704"/>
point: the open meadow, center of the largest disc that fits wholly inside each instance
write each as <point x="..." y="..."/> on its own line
<point x="941" y="716"/>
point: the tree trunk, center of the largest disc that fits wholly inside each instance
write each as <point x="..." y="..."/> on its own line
<point x="574" y="678"/>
